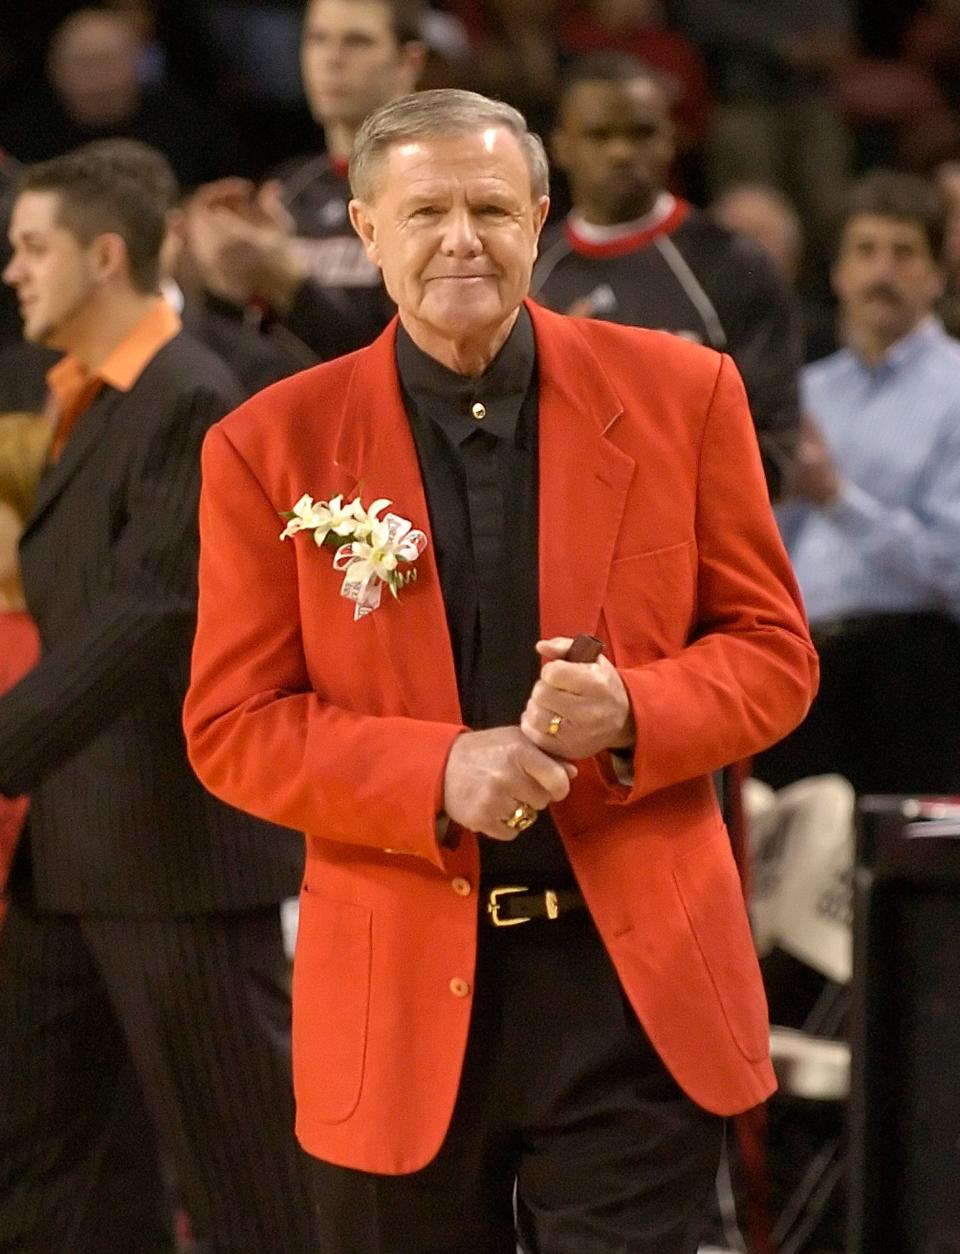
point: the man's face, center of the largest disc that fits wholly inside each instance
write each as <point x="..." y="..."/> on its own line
<point x="53" y="273"/>
<point x="350" y="60"/>
<point x="94" y="68"/>
<point x="885" y="276"/>
<point x="615" y="143"/>
<point x="454" y="228"/>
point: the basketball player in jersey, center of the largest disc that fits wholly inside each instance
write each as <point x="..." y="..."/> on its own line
<point x="632" y="252"/>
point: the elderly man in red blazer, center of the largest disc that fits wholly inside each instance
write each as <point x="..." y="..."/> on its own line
<point x="525" y="992"/>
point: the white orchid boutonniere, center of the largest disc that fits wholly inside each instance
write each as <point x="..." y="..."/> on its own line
<point x="370" y="550"/>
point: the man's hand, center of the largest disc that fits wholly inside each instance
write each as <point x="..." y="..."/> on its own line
<point x="815" y="476"/>
<point x="490" y="773"/>
<point x="242" y="243"/>
<point x="589" y="700"/>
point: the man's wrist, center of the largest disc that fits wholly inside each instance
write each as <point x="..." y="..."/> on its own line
<point x="830" y="494"/>
<point x="626" y="739"/>
<point x="279" y="280"/>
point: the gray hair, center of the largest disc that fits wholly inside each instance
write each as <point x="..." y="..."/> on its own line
<point x="431" y="114"/>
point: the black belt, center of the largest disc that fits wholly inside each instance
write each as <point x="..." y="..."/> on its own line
<point x="510" y="904"/>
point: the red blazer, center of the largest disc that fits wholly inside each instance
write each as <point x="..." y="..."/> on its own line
<point x="656" y="535"/>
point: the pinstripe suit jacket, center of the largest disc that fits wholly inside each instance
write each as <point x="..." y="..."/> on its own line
<point x="118" y="821"/>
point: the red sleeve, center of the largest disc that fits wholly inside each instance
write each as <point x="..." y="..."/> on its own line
<point x="750" y="675"/>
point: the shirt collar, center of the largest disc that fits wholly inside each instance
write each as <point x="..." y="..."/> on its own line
<point x="906" y="350"/>
<point x="173" y="294"/>
<point x="592" y="233"/>
<point x="462" y="405"/>
<point x="125" y="364"/>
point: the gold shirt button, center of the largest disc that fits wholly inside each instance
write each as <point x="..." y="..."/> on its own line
<point x="461" y="886"/>
<point x="459" y="988"/>
<point x="479" y="411"/>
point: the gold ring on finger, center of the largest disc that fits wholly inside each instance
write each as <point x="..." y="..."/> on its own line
<point x="553" y="727"/>
<point x="524" y="816"/>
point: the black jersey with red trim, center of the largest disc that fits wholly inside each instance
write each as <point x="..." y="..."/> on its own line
<point x="343" y="304"/>
<point x="694" y="278"/>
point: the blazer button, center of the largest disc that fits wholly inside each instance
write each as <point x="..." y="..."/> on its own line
<point x="461" y="886"/>
<point x="459" y="988"/>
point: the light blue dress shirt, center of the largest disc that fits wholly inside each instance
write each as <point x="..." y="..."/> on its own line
<point x="891" y="542"/>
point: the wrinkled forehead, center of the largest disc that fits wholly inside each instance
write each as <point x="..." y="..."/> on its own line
<point x="485" y="153"/>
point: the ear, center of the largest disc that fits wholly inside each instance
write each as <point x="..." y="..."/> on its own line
<point x="174" y="242"/>
<point x="559" y="149"/>
<point x="108" y="254"/>
<point x="836" y="279"/>
<point x="362" y="221"/>
<point x="939" y="283"/>
<point x="413" y="57"/>
<point x="540" y="211"/>
<point x="177" y="224"/>
<point x="670" y="134"/>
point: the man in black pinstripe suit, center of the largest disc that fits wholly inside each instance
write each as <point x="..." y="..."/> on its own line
<point x="144" y="1015"/>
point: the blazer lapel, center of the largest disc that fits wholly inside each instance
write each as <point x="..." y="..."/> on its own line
<point x="376" y="448"/>
<point x="87" y="433"/>
<point x="584" y="477"/>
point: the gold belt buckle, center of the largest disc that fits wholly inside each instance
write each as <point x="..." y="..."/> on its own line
<point x="493" y="905"/>
<point x="509" y="890"/>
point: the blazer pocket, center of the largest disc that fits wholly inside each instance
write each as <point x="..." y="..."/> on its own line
<point x="709" y="888"/>
<point x="650" y="605"/>
<point x="331" y="1005"/>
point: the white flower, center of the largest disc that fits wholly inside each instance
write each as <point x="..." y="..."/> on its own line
<point x="367" y="519"/>
<point x="324" y="517"/>
<point x="303" y="517"/>
<point x="375" y="557"/>
<point x="373" y="550"/>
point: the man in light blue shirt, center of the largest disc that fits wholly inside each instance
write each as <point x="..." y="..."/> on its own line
<point x="874" y="526"/>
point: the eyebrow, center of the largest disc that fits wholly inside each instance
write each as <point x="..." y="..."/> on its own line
<point x="323" y="32"/>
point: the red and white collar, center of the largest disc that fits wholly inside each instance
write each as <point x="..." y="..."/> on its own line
<point x="626" y="237"/>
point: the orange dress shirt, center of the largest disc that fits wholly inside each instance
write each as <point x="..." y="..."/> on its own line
<point x="73" y="388"/>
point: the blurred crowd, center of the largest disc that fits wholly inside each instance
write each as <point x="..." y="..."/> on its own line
<point x="783" y="103"/>
<point x="778" y="180"/>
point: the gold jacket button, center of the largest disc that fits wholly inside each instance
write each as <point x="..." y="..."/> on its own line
<point x="479" y="411"/>
<point x="461" y="886"/>
<point x="459" y="988"/>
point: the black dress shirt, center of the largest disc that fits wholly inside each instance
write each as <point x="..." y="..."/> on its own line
<point x="477" y="443"/>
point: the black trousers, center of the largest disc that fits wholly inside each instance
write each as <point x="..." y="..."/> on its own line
<point x="128" y="1045"/>
<point x="563" y="1100"/>
<point x="887" y="716"/>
